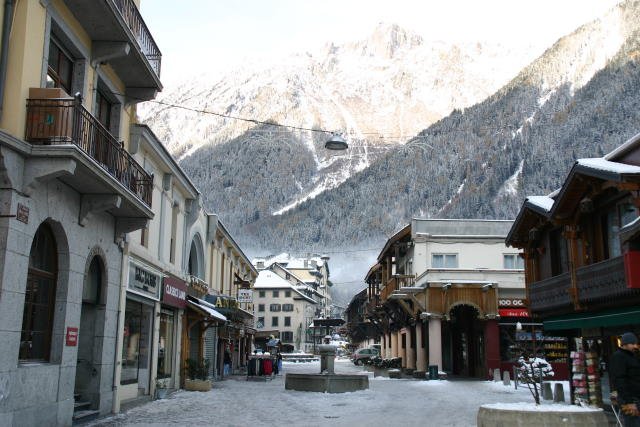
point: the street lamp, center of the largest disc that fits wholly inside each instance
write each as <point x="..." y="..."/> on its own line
<point x="336" y="143"/>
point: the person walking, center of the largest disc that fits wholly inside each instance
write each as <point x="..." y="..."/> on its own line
<point x="624" y="371"/>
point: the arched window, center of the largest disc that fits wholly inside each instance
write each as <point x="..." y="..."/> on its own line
<point x="91" y="289"/>
<point x="193" y="260"/>
<point x="39" y="302"/>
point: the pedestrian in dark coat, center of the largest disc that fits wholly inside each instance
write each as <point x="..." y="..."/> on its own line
<point x="624" y="371"/>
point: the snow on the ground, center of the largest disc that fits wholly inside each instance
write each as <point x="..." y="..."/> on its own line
<point x="388" y="402"/>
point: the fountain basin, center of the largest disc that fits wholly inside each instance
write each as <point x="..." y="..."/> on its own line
<point x="326" y="383"/>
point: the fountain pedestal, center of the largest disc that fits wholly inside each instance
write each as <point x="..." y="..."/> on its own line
<point x="326" y="381"/>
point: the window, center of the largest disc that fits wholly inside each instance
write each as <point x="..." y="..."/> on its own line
<point x="136" y="345"/>
<point x="274" y="321"/>
<point x="39" y="300"/>
<point x="287" y="294"/>
<point x="287" y="321"/>
<point x="174" y="233"/>
<point x="559" y="252"/>
<point x="91" y="288"/>
<point x="260" y="307"/>
<point x="103" y="109"/>
<point x="286" y="336"/>
<point x="513" y="262"/>
<point x="276" y="294"/>
<point x="60" y="67"/>
<point x="261" y="294"/>
<point x="444" y="260"/>
<point x="275" y="307"/>
<point x="260" y="323"/>
<point x="287" y="307"/>
<point x="165" y="345"/>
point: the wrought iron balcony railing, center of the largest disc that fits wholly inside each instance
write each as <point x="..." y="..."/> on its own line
<point x="136" y="24"/>
<point x="66" y="121"/>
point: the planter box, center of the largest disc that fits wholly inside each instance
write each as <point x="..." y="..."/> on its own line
<point x="493" y="417"/>
<point x="197" y="385"/>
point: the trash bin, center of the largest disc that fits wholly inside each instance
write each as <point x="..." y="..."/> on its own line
<point x="433" y="372"/>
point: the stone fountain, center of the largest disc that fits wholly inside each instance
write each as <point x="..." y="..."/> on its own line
<point x="327" y="381"/>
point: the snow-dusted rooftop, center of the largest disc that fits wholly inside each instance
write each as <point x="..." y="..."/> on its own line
<point x="291" y="262"/>
<point x="602" y="164"/>
<point x="267" y="279"/>
<point x="543" y="202"/>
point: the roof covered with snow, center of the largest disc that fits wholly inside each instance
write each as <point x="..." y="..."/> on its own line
<point x="543" y="202"/>
<point x="267" y="279"/>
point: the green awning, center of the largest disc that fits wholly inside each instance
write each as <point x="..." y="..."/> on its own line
<point x="615" y="317"/>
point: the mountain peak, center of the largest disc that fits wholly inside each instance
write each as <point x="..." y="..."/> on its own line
<point x="387" y="39"/>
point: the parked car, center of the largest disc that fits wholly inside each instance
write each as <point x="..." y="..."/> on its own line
<point x="360" y="355"/>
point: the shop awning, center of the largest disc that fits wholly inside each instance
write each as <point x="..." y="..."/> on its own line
<point x="616" y="317"/>
<point x="204" y="308"/>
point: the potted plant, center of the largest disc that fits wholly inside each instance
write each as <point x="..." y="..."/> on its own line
<point x="197" y="375"/>
<point x="161" y="389"/>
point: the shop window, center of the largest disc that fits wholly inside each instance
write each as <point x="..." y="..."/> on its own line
<point x="261" y="294"/>
<point x="513" y="262"/>
<point x="444" y="260"/>
<point x="287" y="294"/>
<point x="287" y="307"/>
<point x="136" y="343"/>
<point x="274" y="321"/>
<point x="275" y="307"/>
<point x="39" y="300"/>
<point x="286" y="336"/>
<point x="59" y="67"/>
<point x="165" y="345"/>
<point x="287" y="321"/>
<point x="276" y="294"/>
<point x="260" y="307"/>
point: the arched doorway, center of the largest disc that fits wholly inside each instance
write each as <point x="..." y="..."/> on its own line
<point x="87" y="383"/>
<point x="465" y="333"/>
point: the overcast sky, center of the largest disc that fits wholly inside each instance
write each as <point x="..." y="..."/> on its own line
<point x="199" y="35"/>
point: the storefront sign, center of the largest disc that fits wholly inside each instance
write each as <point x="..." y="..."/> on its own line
<point x="511" y="302"/>
<point x="245" y="295"/>
<point x="72" y="336"/>
<point x="174" y="292"/>
<point x="513" y="312"/>
<point x="144" y="281"/>
<point x="224" y="304"/>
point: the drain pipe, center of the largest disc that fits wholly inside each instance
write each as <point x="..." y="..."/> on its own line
<point x="4" y="49"/>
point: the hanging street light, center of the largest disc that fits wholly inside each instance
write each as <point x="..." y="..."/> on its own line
<point x="336" y="143"/>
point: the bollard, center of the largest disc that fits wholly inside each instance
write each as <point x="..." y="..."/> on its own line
<point x="496" y="375"/>
<point x="546" y="391"/>
<point x="558" y="393"/>
<point x="506" y="380"/>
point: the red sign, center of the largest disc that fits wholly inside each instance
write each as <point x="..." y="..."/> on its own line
<point x="72" y="336"/>
<point x="513" y="312"/>
<point x="174" y="292"/>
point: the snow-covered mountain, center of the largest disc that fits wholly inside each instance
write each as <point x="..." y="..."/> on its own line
<point x="378" y="92"/>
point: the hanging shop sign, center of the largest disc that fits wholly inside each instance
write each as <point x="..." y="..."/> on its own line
<point x="224" y="304"/>
<point x="144" y="280"/>
<point x="174" y="292"/>
<point x="245" y="295"/>
<point x="513" y="312"/>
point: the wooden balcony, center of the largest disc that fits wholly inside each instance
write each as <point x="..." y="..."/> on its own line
<point x="61" y="121"/>
<point x="550" y="294"/>
<point x="603" y="283"/>
<point x="395" y="283"/>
